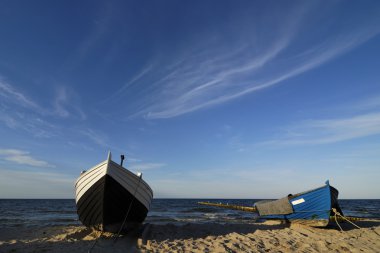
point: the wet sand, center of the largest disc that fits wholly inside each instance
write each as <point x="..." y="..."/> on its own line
<point x="269" y="236"/>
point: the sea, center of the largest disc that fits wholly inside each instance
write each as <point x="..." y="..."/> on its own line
<point x="62" y="212"/>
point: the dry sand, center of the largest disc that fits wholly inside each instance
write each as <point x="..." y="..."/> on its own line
<point x="260" y="237"/>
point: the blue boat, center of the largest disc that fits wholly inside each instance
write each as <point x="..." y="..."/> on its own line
<point x="312" y="208"/>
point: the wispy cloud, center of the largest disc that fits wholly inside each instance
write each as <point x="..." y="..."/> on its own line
<point x="146" y="166"/>
<point x="213" y="73"/>
<point x="236" y="143"/>
<point x="35" y="184"/>
<point x="16" y="97"/>
<point x="133" y="160"/>
<point x="30" y="123"/>
<point x="325" y="131"/>
<point x="121" y="92"/>
<point x="249" y="182"/>
<point x="66" y="104"/>
<point x="225" y="85"/>
<point x="59" y="101"/>
<point x="95" y="136"/>
<point x="23" y="157"/>
<point x="371" y="103"/>
<point x="20" y="111"/>
<point x="95" y="36"/>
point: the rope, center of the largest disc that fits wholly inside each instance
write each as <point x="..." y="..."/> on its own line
<point x="349" y="218"/>
<point x="95" y="242"/>
<point x="336" y="213"/>
<point x="129" y="209"/>
<point x="125" y="219"/>
<point x="336" y="220"/>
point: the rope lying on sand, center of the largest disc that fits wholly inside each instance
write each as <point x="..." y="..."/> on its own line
<point x="95" y="242"/>
<point x="342" y="218"/>
<point x="252" y="209"/>
<point x="337" y="214"/>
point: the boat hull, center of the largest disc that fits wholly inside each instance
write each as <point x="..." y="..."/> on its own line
<point x="312" y="208"/>
<point x="108" y="194"/>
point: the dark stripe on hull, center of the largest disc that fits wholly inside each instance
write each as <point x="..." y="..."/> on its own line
<point x="90" y="205"/>
<point x="334" y="200"/>
<point x="105" y="205"/>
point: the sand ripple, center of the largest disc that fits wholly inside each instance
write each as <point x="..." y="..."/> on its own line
<point x="261" y="237"/>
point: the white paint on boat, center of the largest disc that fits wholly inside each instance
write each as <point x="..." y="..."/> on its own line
<point x="298" y="201"/>
<point x="130" y="181"/>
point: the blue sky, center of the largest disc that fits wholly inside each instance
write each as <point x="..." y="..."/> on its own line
<point x="226" y="99"/>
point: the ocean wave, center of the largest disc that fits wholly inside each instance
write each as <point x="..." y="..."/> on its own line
<point x="15" y="213"/>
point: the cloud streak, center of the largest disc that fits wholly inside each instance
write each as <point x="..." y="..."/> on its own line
<point x="19" y="111"/>
<point x="146" y="166"/>
<point x="12" y="95"/>
<point x="23" y="157"/>
<point x="35" y="184"/>
<point x="213" y="73"/>
<point x="63" y="103"/>
<point x="130" y="83"/>
<point x="324" y="131"/>
<point x="225" y="86"/>
<point x="95" y="136"/>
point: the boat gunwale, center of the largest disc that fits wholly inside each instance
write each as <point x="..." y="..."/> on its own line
<point x="143" y="192"/>
<point x="88" y="181"/>
<point x="91" y="170"/>
<point x="113" y="163"/>
<point x="131" y="173"/>
<point x="308" y="191"/>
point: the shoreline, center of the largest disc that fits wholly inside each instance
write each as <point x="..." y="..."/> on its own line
<point x="269" y="236"/>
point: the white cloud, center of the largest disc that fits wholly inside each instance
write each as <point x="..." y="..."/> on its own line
<point x="212" y="73"/>
<point x="66" y="104"/>
<point x="133" y="160"/>
<point x="8" y="120"/>
<point x="18" y="111"/>
<point x="23" y="157"/>
<point x="59" y="101"/>
<point x="252" y="182"/>
<point x="140" y="75"/>
<point x="15" y="97"/>
<point x="96" y="136"/>
<point x="146" y="166"/>
<point x="224" y="83"/>
<point x="325" y="131"/>
<point x="371" y="103"/>
<point x="35" y="184"/>
<point x="29" y="123"/>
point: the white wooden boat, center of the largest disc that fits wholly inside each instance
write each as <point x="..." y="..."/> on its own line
<point x="110" y="197"/>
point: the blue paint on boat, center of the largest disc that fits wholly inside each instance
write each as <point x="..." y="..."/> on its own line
<point x="314" y="205"/>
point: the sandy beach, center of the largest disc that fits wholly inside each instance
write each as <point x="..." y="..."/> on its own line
<point x="270" y="236"/>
